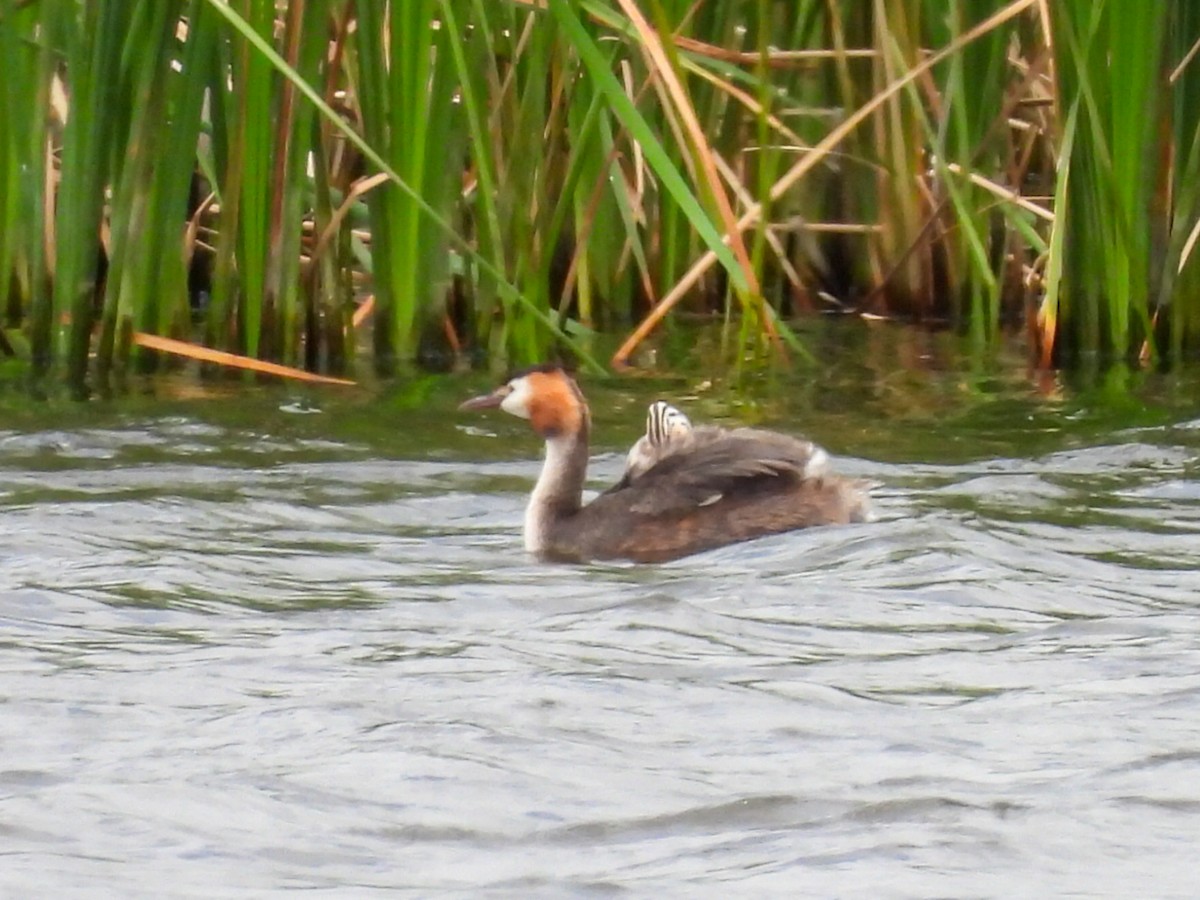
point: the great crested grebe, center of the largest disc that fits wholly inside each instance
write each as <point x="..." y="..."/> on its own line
<point x="666" y="430"/>
<point x="705" y="488"/>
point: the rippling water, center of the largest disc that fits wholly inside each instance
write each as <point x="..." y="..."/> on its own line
<point x="237" y="660"/>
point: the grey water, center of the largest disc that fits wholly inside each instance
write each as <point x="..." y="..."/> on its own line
<point x="256" y="642"/>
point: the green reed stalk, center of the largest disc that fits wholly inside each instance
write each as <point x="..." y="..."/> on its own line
<point x="252" y="115"/>
<point x="324" y="297"/>
<point x="306" y="40"/>
<point x="592" y="197"/>
<point x="281" y="297"/>
<point x="973" y="84"/>
<point x="480" y="81"/>
<point x="140" y="221"/>
<point x="582" y="186"/>
<point x="767" y="161"/>
<point x="681" y="243"/>
<point x="262" y="133"/>
<point x="406" y="94"/>
<point x="220" y="159"/>
<point x="669" y="244"/>
<point x="19" y="63"/>
<point x="1180" y="273"/>
<point x="1055" y="302"/>
<point x="1110" y="56"/>
<point x="55" y="31"/>
<point x="902" y="142"/>
<point x="671" y="177"/>
<point x="22" y="157"/>
<point x="538" y="319"/>
<point x="530" y="151"/>
<point x="226" y="325"/>
<point x="711" y="104"/>
<point x="93" y="140"/>
<point x="624" y="230"/>
<point x="542" y="167"/>
<point x="785" y="96"/>
<point x="173" y="173"/>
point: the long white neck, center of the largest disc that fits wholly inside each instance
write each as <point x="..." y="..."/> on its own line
<point x="558" y="493"/>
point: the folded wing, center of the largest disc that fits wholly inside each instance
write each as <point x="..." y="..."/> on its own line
<point x="714" y="462"/>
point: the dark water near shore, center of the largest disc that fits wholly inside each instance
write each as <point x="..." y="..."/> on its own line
<point x="262" y="641"/>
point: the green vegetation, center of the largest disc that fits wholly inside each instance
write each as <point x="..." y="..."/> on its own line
<point x="505" y="178"/>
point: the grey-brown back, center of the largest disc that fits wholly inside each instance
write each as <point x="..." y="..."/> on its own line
<point x="725" y="485"/>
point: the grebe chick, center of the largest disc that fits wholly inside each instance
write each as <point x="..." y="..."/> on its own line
<point x="666" y="430"/>
<point x="669" y="430"/>
<point x="717" y="487"/>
